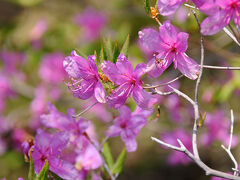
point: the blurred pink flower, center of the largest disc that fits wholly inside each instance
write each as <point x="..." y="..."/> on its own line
<point x="92" y="22"/>
<point x="176" y="157"/>
<point x="51" y="68"/>
<point x="218" y="128"/>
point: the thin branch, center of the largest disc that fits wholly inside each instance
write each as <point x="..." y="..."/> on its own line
<point x="207" y="169"/>
<point x="163" y="84"/>
<point x="85" y="110"/>
<point x="231" y="36"/>
<point x="234" y="32"/>
<point x="101" y="152"/>
<point x="162" y="93"/>
<point x="221" y="67"/>
<point x="228" y="150"/>
<point x="196" y="108"/>
<point x="179" y="93"/>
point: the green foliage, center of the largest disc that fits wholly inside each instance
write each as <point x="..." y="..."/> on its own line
<point x="81" y="54"/>
<point x="44" y="172"/>
<point x="119" y="164"/>
<point x="201" y="120"/>
<point x="107" y="155"/>
<point x="108" y="48"/>
<point x="125" y="47"/>
<point x="27" y="3"/>
<point x="31" y="174"/>
<point x="147" y="6"/>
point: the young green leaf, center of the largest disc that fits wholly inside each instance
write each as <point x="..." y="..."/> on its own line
<point x="147" y="6"/>
<point x="115" y="52"/>
<point x="80" y="53"/>
<point x="43" y="175"/>
<point x="118" y="166"/>
<point x="125" y="47"/>
<point x="108" y="48"/>
<point x="201" y="120"/>
<point x="31" y="169"/>
<point x="107" y="155"/>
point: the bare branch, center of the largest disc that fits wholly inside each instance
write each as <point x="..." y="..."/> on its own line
<point x="201" y="164"/>
<point x="163" y="84"/>
<point x="228" y="150"/>
<point x="162" y="93"/>
<point x="179" y="93"/>
<point x="221" y="67"/>
<point x="85" y="110"/>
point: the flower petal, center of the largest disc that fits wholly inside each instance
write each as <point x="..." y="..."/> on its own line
<point x="113" y="131"/>
<point x="168" y="33"/>
<point x="182" y="42"/>
<point x="119" y="96"/>
<point x="187" y="66"/>
<point x="215" y="23"/>
<point x="84" y="90"/>
<point x="139" y="70"/>
<point x="149" y="39"/>
<point x="129" y="140"/>
<point x="111" y="71"/>
<point x="99" y="93"/>
<point x="123" y="65"/>
<point x="168" y="7"/>
<point x="142" y="98"/>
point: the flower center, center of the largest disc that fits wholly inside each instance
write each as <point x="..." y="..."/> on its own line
<point x="132" y="82"/>
<point x="43" y="158"/>
<point x="173" y="49"/>
<point x="123" y="125"/>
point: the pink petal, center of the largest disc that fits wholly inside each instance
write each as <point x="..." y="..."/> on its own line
<point x="139" y="70"/>
<point x="149" y="39"/>
<point x="113" y="131"/>
<point x="187" y="66"/>
<point x="215" y="23"/>
<point x="143" y="98"/>
<point x="119" y="96"/>
<point x="168" y="7"/>
<point x="168" y="33"/>
<point x="111" y="71"/>
<point x="123" y="65"/>
<point x="124" y="112"/>
<point x="85" y="90"/>
<point x="99" y="93"/>
<point x="129" y="140"/>
<point x="182" y="42"/>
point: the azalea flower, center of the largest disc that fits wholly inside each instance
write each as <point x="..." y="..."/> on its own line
<point x="129" y="82"/>
<point x="170" y="46"/>
<point x="49" y="147"/>
<point x="85" y="81"/>
<point x="224" y="12"/>
<point x="128" y="125"/>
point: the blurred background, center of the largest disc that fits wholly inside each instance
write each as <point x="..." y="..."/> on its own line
<point x="36" y="35"/>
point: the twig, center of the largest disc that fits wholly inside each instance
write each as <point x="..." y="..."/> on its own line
<point x="207" y="169"/>
<point x="179" y="93"/>
<point x="234" y="32"/>
<point x="101" y="152"/>
<point x="228" y="150"/>
<point x="85" y="110"/>
<point x="162" y="93"/>
<point x="221" y="67"/>
<point x="163" y="84"/>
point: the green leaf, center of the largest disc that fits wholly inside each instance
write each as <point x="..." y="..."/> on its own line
<point x="107" y="155"/>
<point x="125" y="47"/>
<point x="201" y="119"/>
<point x="108" y="48"/>
<point x="118" y="166"/>
<point x="43" y="175"/>
<point x="81" y="54"/>
<point x="31" y="169"/>
<point x="115" y="52"/>
<point x="147" y="6"/>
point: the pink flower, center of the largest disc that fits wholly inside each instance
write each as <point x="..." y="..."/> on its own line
<point x="49" y="147"/>
<point x="92" y="23"/>
<point x="170" y="46"/>
<point x="89" y="158"/>
<point x="218" y="128"/>
<point x="171" y="137"/>
<point x="127" y="125"/>
<point x="223" y="11"/>
<point x="168" y="7"/>
<point x="129" y="82"/>
<point x="51" y="68"/>
<point x="84" y="76"/>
